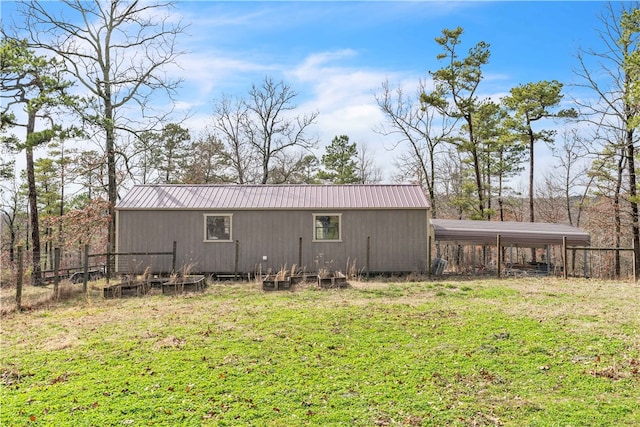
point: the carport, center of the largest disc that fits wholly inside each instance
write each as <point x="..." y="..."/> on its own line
<point x="506" y="234"/>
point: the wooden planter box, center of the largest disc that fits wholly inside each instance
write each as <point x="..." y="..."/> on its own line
<point x="183" y="284"/>
<point x="338" y="280"/>
<point x="325" y="282"/>
<point x="299" y="278"/>
<point x="271" y="284"/>
<point x="157" y="282"/>
<point x="125" y="289"/>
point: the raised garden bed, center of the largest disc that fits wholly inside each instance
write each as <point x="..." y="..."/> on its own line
<point x="181" y="285"/>
<point x="276" y="284"/>
<point x="126" y="289"/>
<point x="332" y="280"/>
<point x="326" y="280"/>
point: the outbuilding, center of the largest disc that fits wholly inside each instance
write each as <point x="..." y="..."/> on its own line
<point x="505" y="234"/>
<point x="516" y="234"/>
<point x="260" y="228"/>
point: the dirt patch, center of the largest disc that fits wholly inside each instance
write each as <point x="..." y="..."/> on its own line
<point x="60" y="342"/>
<point x="169" y="342"/>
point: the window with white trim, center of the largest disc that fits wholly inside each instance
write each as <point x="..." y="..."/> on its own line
<point x="217" y="227"/>
<point x="327" y="227"/>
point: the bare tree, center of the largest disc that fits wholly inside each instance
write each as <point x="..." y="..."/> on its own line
<point x="574" y="180"/>
<point x="419" y="125"/>
<point x="368" y="171"/>
<point x="117" y="51"/>
<point x="608" y="72"/>
<point x="294" y="168"/>
<point x="230" y="118"/>
<point x="567" y="184"/>
<point x="11" y="205"/>
<point x="269" y="127"/>
<point x="260" y="130"/>
<point x="608" y="171"/>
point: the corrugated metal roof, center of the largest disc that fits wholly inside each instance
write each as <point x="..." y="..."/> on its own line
<point x="274" y="197"/>
<point x="524" y="234"/>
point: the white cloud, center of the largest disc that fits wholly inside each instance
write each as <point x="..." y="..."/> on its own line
<point x="344" y="97"/>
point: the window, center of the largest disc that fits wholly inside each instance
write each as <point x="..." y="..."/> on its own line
<point x="326" y="227"/>
<point x="217" y="228"/>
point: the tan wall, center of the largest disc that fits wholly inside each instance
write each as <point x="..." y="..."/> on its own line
<point x="398" y="241"/>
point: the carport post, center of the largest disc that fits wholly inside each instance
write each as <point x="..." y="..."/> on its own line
<point x="473" y="258"/>
<point x="565" y="264"/>
<point x="548" y="259"/>
<point x="429" y="272"/>
<point x="499" y="260"/>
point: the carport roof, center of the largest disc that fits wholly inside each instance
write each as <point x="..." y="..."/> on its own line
<point x="522" y="234"/>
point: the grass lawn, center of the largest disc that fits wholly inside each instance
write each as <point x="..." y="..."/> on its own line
<point x="518" y="352"/>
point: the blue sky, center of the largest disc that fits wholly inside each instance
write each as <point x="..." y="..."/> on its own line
<point x="335" y="55"/>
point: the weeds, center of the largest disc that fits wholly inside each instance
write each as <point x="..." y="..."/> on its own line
<point x="41" y="297"/>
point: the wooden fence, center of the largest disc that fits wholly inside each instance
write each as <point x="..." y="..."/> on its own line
<point x="59" y="274"/>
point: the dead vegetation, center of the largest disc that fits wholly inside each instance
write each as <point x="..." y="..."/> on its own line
<point x="38" y="297"/>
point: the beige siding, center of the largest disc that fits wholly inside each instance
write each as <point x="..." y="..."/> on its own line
<point x="398" y="240"/>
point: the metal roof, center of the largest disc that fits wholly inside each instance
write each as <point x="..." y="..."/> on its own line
<point x="524" y="234"/>
<point x="231" y="196"/>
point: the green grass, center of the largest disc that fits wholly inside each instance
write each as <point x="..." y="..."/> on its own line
<point x="513" y="352"/>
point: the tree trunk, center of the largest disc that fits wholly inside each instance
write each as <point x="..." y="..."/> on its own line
<point x="431" y="182"/>
<point x="112" y="189"/>
<point x="265" y="168"/>
<point x="61" y="211"/>
<point x="500" y="183"/>
<point x="476" y="167"/>
<point x="12" y="245"/>
<point x="531" y="185"/>
<point x="631" y="171"/>
<point x="617" y="215"/>
<point x="36" y="275"/>
<point x="489" y="187"/>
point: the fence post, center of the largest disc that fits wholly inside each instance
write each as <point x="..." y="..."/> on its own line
<point x="633" y="260"/>
<point x="300" y="252"/>
<point x="19" y="280"/>
<point x="368" y="255"/>
<point x="174" y="251"/>
<point x="235" y="264"/>
<point x="56" y="272"/>
<point x="85" y="276"/>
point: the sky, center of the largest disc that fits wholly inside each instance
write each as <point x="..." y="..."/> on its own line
<point x="335" y="55"/>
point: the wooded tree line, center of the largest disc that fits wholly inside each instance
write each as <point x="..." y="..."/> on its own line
<point x="68" y="82"/>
